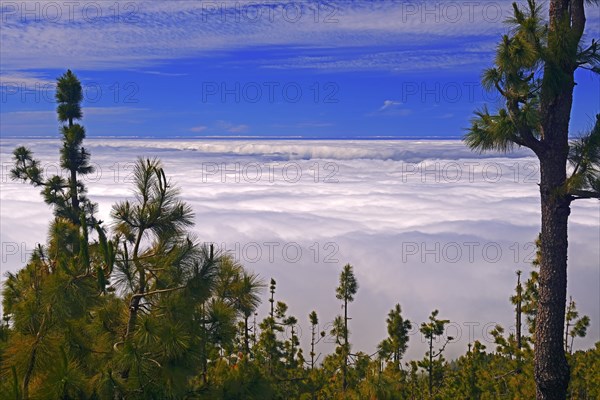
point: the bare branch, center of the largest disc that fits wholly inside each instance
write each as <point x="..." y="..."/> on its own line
<point x="158" y="291"/>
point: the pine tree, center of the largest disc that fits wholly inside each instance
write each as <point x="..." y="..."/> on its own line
<point x="248" y="300"/>
<point x="395" y="345"/>
<point x="168" y="281"/>
<point x="431" y="331"/>
<point x="535" y="73"/>
<point x="574" y="325"/>
<point x="345" y="291"/>
<point x="314" y="322"/>
<point x="64" y="280"/>
<point x="67" y="197"/>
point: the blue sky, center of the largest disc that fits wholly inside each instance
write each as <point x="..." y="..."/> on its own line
<point x="338" y="69"/>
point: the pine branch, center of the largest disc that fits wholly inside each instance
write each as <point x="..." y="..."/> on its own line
<point x="584" y="194"/>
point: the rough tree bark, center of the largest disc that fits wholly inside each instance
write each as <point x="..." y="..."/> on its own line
<point x="567" y="20"/>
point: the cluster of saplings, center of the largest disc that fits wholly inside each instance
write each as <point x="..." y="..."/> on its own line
<point x="138" y="309"/>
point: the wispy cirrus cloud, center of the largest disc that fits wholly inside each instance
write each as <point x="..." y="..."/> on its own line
<point x="14" y="80"/>
<point x="389" y="60"/>
<point x="142" y="34"/>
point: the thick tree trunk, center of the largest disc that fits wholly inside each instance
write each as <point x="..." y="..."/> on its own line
<point x="567" y="21"/>
<point x="551" y="368"/>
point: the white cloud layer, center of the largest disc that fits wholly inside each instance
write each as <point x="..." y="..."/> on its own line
<point x="427" y="224"/>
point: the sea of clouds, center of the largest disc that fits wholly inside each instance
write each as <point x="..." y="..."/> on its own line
<point x="427" y="224"/>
